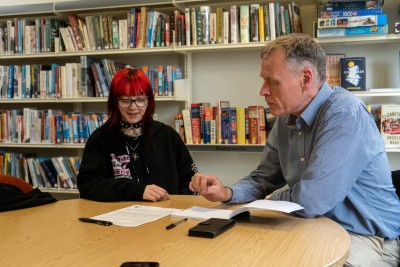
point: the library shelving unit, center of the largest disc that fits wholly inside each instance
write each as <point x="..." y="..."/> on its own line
<point x="166" y="106"/>
<point x="213" y="73"/>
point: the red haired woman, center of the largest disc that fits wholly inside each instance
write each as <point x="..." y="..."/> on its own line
<point x="133" y="157"/>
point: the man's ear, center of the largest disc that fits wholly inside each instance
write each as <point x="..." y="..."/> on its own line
<point x="307" y="78"/>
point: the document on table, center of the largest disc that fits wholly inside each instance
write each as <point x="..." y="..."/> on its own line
<point x="135" y="215"/>
<point x="199" y="213"/>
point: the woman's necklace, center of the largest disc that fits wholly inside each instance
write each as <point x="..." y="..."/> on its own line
<point x="131" y="130"/>
<point x="132" y="151"/>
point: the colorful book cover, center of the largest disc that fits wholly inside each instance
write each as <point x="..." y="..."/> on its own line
<point x="353" y="73"/>
<point x="358" y="21"/>
<point x="390" y="125"/>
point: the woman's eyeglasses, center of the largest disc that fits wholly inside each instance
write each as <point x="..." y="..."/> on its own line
<point x="126" y="102"/>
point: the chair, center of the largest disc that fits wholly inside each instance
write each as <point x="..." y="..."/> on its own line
<point x="15" y="181"/>
<point x="15" y="193"/>
<point x="396" y="181"/>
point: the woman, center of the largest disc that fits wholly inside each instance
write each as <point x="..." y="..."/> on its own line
<point x="133" y="157"/>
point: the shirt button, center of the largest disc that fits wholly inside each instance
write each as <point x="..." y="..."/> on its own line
<point x="299" y="133"/>
<point x="301" y="159"/>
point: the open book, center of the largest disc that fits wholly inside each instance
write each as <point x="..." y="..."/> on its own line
<point x="199" y="213"/>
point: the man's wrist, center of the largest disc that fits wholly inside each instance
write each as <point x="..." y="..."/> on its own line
<point x="229" y="193"/>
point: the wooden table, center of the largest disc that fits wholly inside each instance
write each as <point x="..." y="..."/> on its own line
<point x="51" y="235"/>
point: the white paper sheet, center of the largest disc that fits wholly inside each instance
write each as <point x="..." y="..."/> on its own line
<point x="199" y="213"/>
<point x="135" y="215"/>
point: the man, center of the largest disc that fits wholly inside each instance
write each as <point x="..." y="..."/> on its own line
<point x="326" y="147"/>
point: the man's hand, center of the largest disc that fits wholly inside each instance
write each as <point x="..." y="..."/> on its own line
<point x="155" y="193"/>
<point x="210" y="187"/>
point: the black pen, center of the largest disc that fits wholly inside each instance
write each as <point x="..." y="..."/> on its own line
<point x="99" y="222"/>
<point x="172" y="225"/>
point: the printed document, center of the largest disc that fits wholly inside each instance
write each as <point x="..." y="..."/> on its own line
<point x="135" y="215"/>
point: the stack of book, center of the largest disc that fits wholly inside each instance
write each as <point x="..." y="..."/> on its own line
<point x="350" y="18"/>
<point x="224" y="124"/>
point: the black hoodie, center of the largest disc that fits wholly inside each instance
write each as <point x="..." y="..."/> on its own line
<point x="108" y="173"/>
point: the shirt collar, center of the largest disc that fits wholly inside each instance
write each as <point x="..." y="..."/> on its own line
<point x="311" y="111"/>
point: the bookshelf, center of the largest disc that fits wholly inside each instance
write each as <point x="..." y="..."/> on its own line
<point x="214" y="72"/>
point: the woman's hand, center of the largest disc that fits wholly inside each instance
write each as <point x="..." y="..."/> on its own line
<point x="155" y="193"/>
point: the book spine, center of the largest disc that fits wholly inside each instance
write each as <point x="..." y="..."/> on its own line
<point x="240" y="126"/>
<point x="234" y="24"/>
<point x="196" y="125"/>
<point x="188" y="126"/>
<point x="253" y="125"/>
<point x="272" y="31"/>
<point x="226" y="133"/>
<point x="233" y="125"/>
<point x="220" y="25"/>
<point x="244" y="23"/>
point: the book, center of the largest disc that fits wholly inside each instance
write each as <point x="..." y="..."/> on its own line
<point x="353" y="73"/>
<point x="349" y="13"/>
<point x="390" y="125"/>
<point x="244" y="23"/>
<point x="200" y="213"/>
<point x="271" y="24"/>
<point x="234" y="24"/>
<point x="364" y="30"/>
<point x="262" y="133"/>
<point x="254" y="125"/>
<point x="179" y="127"/>
<point x="240" y="125"/>
<point x="87" y="80"/>
<point x="295" y="10"/>
<point x="221" y="104"/>
<point x="187" y="123"/>
<point x="196" y="125"/>
<point x="333" y="69"/>
<point x="357" y="21"/>
<point x="226" y="133"/>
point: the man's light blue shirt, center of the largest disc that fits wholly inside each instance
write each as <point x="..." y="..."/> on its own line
<point x="333" y="158"/>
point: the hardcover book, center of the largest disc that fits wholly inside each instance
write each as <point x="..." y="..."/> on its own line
<point x="390" y="124"/>
<point x="353" y="73"/>
<point x="196" y="125"/>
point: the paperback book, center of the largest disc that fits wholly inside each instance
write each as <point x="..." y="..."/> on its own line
<point x="353" y="73"/>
